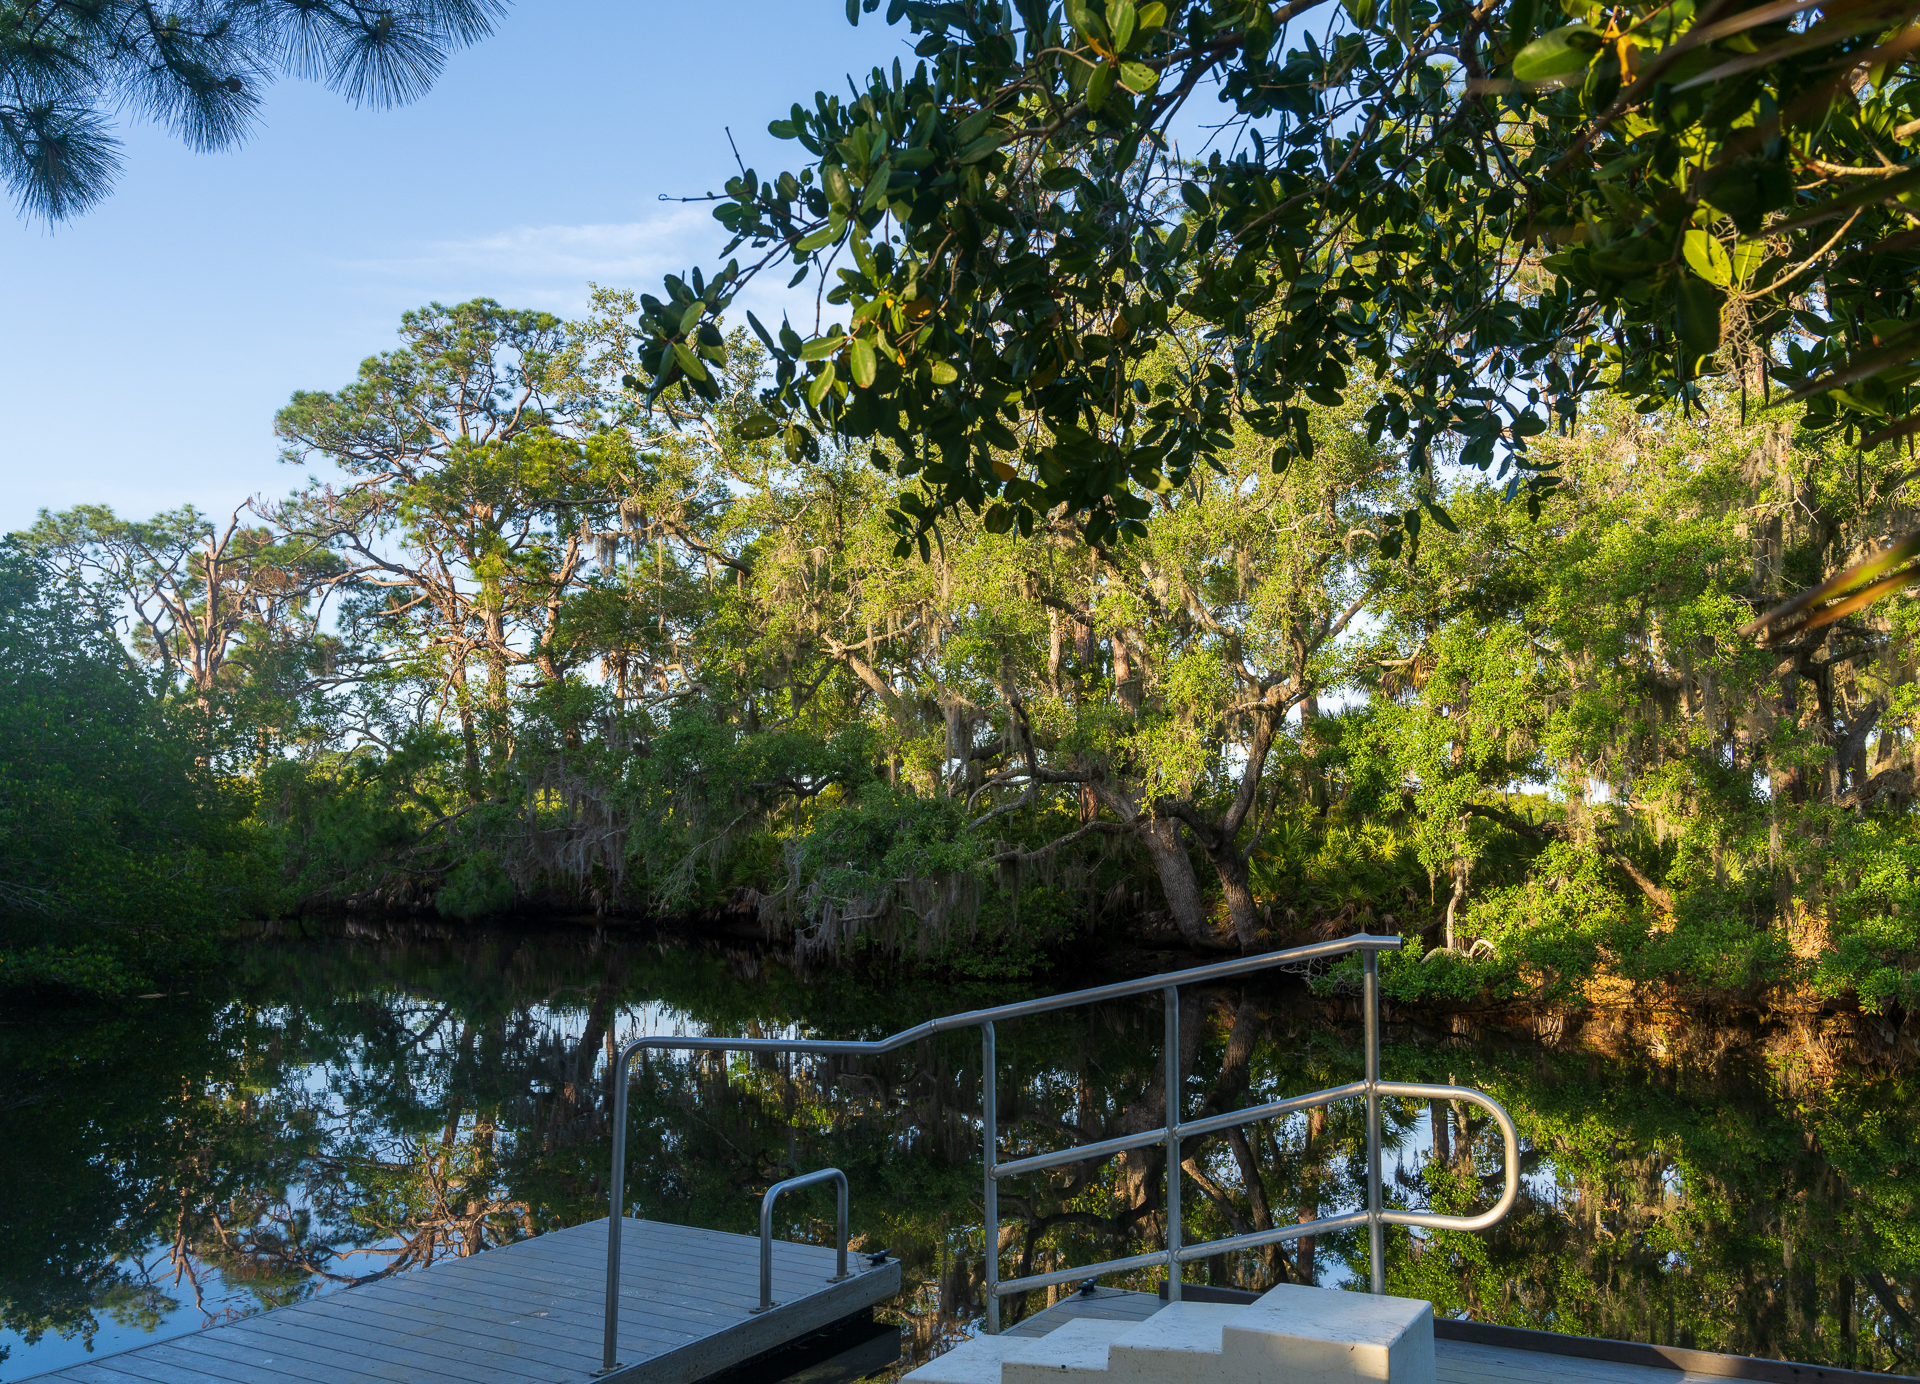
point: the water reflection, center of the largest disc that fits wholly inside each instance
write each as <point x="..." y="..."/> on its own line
<point x="344" y="1108"/>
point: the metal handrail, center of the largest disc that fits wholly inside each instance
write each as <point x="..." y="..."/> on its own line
<point x="1168" y="983"/>
<point x="1375" y="1218"/>
<point x="794" y="1184"/>
<point x="1207" y="1249"/>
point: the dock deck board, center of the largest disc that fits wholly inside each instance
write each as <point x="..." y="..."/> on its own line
<point x="526" y="1313"/>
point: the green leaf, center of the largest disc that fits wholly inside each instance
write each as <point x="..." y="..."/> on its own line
<point x="1748" y="256"/>
<point x="1121" y="19"/>
<point x="1522" y="15"/>
<point x="943" y="373"/>
<point x="1084" y="20"/>
<point x="1099" y="87"/>
<point x="1708" y="257"/>
<point x="979" y="149"/>
<point x="1441" y="517"/>
<point x="689" y="362"/>
<point x="1138" y="78"/>
<point x="1557" y="53"/>
<point x="998" y="518"/>
<point x="833" y="181"/>
<point x="1698" y="318"/>
<point x="782" y="129"/>
<point x="821" y="384"/>
<point x="862" y="357"/>
<point x="971" y="128"/>
<point x="761" y="332"/>
<point x="821" y="346"/>
<point x="816" y="240"/>
<point x="1152" y="16"/>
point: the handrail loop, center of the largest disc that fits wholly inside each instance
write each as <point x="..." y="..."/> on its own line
<point x="794" y="1184"/>
<point x="1175" y="1129"/>
<point x="1281" y="1234"/>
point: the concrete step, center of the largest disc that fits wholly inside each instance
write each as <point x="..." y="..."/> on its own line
<point x="1179" y="1344"/>
<point x="1073" y="1354"/>
<point x="1296" y="1335"/>
<point x="974" y="1361"/>
<point x="1076" y="1351"/>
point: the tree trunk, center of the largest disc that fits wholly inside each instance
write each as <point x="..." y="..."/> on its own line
<point x="1162" y="840"/>
<point x="1242" y="907"/>
<point x="1453" y="904"/>
<point x="1126" y="681"/>
<point x="469" y="742"/>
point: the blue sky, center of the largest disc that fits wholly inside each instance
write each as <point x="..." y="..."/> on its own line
<point x="148" y="343"/>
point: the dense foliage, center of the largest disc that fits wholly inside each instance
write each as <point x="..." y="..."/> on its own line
<point x="121" y="850"/>
<point x="1483" y="212"/>
<point x="537" y="647"/>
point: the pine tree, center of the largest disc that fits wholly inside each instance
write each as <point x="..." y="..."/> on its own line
<point x="197" y="67"/>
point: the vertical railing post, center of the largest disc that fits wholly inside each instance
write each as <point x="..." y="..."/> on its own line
<point x="1376" y="1231"/>
<point x="990" y="1152"/>
<point x="616" y="1196"/>
<point x="1172" y="994"/>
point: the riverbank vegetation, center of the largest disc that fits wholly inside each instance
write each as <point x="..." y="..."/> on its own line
<point x="527" y="645"/>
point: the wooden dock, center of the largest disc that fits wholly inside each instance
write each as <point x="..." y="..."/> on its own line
<point x="528" y="1313"/>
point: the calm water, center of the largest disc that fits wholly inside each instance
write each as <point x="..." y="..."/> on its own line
<point x="342" y="1108"/>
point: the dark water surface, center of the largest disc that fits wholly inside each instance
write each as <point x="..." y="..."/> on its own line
<point x="340" y="1108"/>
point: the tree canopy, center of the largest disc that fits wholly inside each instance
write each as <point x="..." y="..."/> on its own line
<point x="587" y="656"/>
<point x="1487" y="211"/>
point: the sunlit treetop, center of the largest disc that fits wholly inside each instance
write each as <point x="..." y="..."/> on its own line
<point x="1492" y="209"/>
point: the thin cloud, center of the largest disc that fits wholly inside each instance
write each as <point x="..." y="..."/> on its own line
<point x="551" y="267"/>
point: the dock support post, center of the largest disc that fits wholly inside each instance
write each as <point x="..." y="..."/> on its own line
<point x="990" y="1150"/>
<point x="1174" y="1112"/>
<point x="1376" y="1230"/>
<point x="616" y="1209"/>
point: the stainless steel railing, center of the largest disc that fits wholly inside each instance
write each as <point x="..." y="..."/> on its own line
<point x="1171" y="1134"/>
<point x="794" y="1184"/>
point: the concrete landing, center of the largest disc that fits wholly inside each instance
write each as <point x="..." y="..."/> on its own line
<point x="1464" y="1352"/>
<point x="1291" y="1335"/>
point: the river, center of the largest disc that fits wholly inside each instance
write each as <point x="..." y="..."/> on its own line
<point x="335" y="1107"/>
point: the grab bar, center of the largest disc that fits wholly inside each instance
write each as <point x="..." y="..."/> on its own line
<point x="794" y="1184"/>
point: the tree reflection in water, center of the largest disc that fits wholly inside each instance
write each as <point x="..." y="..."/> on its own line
<point x="341" y="1109"/>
